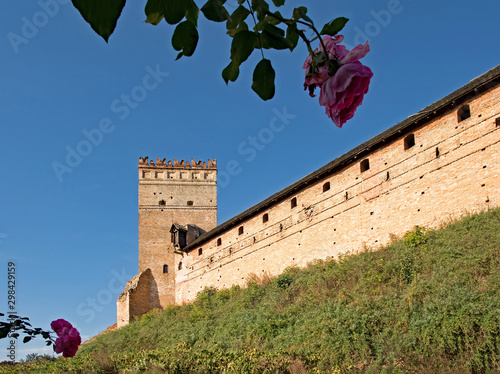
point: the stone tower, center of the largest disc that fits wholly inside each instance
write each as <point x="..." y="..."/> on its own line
<point x="171" y="195"/>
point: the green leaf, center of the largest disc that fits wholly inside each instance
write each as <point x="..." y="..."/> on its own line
<point x="275" y="37"/>
<point x="231" y="72"/>
<point x="4" y="331"/>
<point x="214" y="10"/>
<point x="261" y="7"/>
<point x="238" y="16"/>
<point x="333" y="27"/>
<point x="26" y="339"/>
<point x="100" y="15"/>
<point x="301" y="12"/>
<point x="243" y="45"/>
<point x="174" y="11"/>
<point x="192" y="12"/>
<point x="241" y="27"/>
<point x="185" y="39"/>
<point x="263" y="79"/>
<point x="279" y="2"/>
<point x="154" y="11"/>
<point x="268" y="20"/>
<point x="292" y="35"/>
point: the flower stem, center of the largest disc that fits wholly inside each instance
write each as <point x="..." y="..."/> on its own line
<point x="301" y="33"/>
<point x="255" y="23"/>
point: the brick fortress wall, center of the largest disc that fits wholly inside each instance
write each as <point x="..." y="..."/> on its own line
<point x="425" y="174"/>
<point x="169" y="192"/>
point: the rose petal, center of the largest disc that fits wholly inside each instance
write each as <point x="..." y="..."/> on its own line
<point x="356" y="54"/>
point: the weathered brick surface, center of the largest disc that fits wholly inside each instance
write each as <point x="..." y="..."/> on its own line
<point x="453" y="168"/>
<point x="420" y="189"/>
<point x="135" y="300"/>
<point x="176" y="193"/>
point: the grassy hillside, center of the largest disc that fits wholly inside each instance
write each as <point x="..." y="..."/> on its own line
<point x="428" y="303"/>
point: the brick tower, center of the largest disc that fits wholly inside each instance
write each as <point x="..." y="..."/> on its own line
<point x="171" y="194"/>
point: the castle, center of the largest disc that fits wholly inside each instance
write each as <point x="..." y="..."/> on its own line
<point x="437" y="164"/>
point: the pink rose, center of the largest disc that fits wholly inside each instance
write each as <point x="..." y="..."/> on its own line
<point x="59" y="324"/>
<point x="343" y="92"/>
<point x="343" y="80"/>
<point x="68" y="339"/>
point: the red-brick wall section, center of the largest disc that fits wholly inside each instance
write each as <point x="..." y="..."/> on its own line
<point x="453" y="168"/>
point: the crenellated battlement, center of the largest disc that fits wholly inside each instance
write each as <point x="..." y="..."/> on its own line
<point x="145" y="162"/>
<point x="177" y="170"/>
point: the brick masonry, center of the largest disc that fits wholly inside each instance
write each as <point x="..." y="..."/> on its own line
<point x="434" y="166"/>
<point x="178" y="192"/>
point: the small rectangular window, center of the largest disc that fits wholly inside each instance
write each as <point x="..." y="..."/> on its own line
<point x="364" y="165"/>
<point x="219" y="242"/>
<point x="409" y="141"/>
<point x="497" y="122"/>
<point x="200" y="251"/>
<point x="265" y="218"/>
<point x="240" y="230"/>
<point x="165" y="269"/>
<point x="463" y="113"/>
<point x="293" y="203"/>
<point x="326" y="186"/>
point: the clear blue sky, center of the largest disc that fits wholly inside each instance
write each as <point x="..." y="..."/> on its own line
<point x="74" y="238"/>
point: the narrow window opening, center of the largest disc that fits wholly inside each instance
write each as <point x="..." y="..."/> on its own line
<point x="165" y="269"/>
<point x="463" y="113"/>
<point x="240" y="230"/>
<point x="437" y="152"/>
<point x="364" y="165"/>
<point x="326" y="186"/>
<point x="200" y="251"/>
<point x="189" y="203"/>
<point x="162" y="203"/>
<point x="347" y="195"/>
<point x="265" y="218"/>
<point x="497" y="122"/>
<point x="180" y="266"/>
<point x="387" y="176"/>
<point x="293" y="202"/>
<point x="219" y="242"/>
<point x="409" y="141"/>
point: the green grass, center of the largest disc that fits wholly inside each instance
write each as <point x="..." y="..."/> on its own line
<point x="428" y="303"/>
